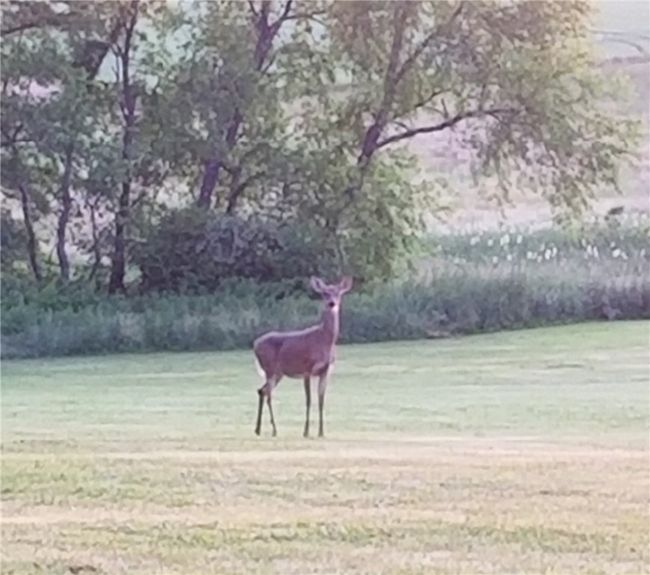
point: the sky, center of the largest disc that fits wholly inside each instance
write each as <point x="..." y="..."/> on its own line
<point x="630" y="17"/>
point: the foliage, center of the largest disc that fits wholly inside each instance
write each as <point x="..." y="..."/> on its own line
<point x="461" y="289"/>
<point x="13" y="241"/>
<point x="285" y="112"/>
<point x="51" y="114"/>
<point x="192" y="251"/>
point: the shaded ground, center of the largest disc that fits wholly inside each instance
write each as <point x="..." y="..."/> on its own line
<point x="520" y="452"/>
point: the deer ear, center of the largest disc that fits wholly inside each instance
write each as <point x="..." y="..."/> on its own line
<point x="317" y="284"/>
<point x="345" y="285"/>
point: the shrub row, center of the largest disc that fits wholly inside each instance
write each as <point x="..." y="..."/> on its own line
<point x="452" y="300"/>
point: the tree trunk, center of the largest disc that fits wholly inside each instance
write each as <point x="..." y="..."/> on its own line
<point x="64" y="215"/>
<point x="96" y="249"/>
<point x="208" y="182"/>
<point x="236" y="188"/>
<point x="266" y="33"/>
<point x="31" y="236"/>
<point x="129" y="97"/>
<point x="118" y="267"/>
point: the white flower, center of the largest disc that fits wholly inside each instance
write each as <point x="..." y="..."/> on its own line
<point x="554" y="252"/>
<point x="642" y="252"/>
<point x="612" y="245"/>
<point x="520" y="238"/>
<point x="547" y="254"/>
<point x="530" y="255"/>
<point x="595" y="251"/>
<point x="495" y="259"/>
<point x="505" y="240"/>
<point x="490" y="242"/>
<point x="616" y="253"/>
<point x="589" y="250"/>
<point x="509" y="257"/>
<point x="475" y="240"/>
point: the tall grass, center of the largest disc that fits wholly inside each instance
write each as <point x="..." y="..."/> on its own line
<point x="469" y="283"/>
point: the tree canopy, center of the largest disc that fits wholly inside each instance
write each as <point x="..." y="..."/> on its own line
<point x="288" y="119"/>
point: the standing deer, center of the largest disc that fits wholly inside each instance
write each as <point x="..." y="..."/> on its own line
<point x="302" y="354"/>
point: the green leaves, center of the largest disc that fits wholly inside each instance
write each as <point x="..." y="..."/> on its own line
<point x="303" y="112"/>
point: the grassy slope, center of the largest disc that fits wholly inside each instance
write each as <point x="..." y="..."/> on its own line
<point x="522" y="451"/>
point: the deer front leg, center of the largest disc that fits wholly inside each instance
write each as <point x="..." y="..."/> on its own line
<point x="322" y="385"/>
<point x="260" y="406"/>
<point x="307" y="405"/>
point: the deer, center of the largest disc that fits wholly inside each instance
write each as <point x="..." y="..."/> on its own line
<point x="302" y="354"/>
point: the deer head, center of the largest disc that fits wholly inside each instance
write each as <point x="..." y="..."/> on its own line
<point x="331" y="294"/>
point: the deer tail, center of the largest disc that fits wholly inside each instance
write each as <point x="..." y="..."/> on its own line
<point x="259" y="369"/>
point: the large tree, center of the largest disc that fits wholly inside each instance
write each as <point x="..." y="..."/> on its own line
<point x="224" y="102"/>
<point x="517" y="81"/>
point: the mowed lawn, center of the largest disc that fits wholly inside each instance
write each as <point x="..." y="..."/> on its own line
<point x="519" y="452"/>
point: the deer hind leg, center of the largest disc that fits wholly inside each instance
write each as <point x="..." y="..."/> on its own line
<point x="307" y="405"/>
<point x="322" y="386"/>
<point x="268" y="401"/>
<point x="265" y="392"/>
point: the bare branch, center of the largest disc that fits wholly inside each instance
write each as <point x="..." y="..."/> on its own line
<point x="426" y="99"/>
<point x="268" y="65"/>
<point x="401" y="125"/>
<point x="407" y="134"/>
<point x="53" y="20"/>
<point x="307" y="16"/>
<point x="12" y="139"/>
<point x="285" y="13"/>
<point x="238" y="189"/>
<point x="8" y="143"/>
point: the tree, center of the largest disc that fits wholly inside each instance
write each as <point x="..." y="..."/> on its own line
<point x="51" y="54"/>
<point x="517" y="78"/>
<point x="141" y="127"/>
<point x="128" y="95"/>
<point x="225" y="99"/>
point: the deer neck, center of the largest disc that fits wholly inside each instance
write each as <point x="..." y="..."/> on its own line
<point x="329" y="323"/>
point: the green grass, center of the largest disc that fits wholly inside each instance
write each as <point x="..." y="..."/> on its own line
<point x="517" y="452"/>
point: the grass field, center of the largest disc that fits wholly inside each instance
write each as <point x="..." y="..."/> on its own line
<point x="521" y="452"/>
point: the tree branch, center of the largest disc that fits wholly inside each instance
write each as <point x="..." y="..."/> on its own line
<point x="307" y="16"/>
<point x="408" y="63"/>
<point x="238" y="189"/>
<point x="424" y="101"/>
<point x="11" y="139"/>
<point x="407" y="134"/>
<point x="53" y="20"/>
<point x="285" y="14"/>
<point x="371" y="136"/>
